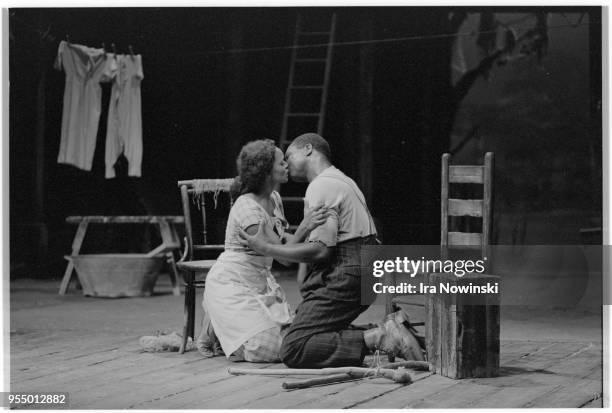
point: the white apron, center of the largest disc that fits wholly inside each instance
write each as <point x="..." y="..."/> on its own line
<point x="243" y="298"/>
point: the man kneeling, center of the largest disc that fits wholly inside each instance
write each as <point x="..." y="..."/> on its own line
<point x="320" y="334"/>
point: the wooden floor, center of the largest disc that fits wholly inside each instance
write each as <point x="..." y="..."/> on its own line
<point x="88" y="347"/>
<point x="108" y="373"/>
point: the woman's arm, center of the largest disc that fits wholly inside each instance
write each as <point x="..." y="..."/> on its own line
<point x="304" y="252"/>
<point x="313" y="217"/>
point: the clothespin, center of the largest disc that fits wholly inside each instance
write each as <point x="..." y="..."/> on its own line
<point x="131" y="51"/>
<point x="67" y="39"/>
<point x="114" y="49"/>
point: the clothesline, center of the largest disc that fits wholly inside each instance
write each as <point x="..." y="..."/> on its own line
<point x="353" y="42"/>
<point x="361" y="42"/>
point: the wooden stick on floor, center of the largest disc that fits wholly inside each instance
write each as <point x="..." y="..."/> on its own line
<point x="399" y="375"/>
<point x="415" y="365"/>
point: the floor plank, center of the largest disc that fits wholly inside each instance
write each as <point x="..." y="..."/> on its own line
<point x="594" y="404"/>
<point x="361" y="392"/>
<point x="571" y="394"/>
<point x="525" y="376"/>
<point x="120" y="368"/>
<point x="406" y="396"/>
<point x="107" y="372"/>
<point x="203" y="395"/>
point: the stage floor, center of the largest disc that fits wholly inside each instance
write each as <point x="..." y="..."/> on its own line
<point x="88" y="347"/>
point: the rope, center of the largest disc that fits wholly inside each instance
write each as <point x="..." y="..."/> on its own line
<point x="375" y="366"/>
<point x="361" y="42"/>
<point x="48" y="34"/>
<point x="202" y="186"/>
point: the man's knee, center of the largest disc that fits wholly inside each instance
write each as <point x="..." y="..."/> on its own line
<point x="290" y="353"/>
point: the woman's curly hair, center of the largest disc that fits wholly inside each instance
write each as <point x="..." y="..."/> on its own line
<point x="255" y="163"/>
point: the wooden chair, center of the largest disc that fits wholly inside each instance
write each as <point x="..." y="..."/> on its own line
<point x="194" y="192"/>
<point x="479" y="208"/>
<point x="462" y="334"/>
<point x="456" y="207"/>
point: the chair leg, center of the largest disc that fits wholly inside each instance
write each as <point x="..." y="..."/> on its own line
<point x="173" y="273"/>
<point x="392" y="308"/>
<point x="191" y="318"/>
<point x="187" y="310"/>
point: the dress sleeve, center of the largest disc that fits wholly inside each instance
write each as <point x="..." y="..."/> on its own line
<point x="247" y="213"/>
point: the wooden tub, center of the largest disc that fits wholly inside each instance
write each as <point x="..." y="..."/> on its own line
<point x="117" y="275"/>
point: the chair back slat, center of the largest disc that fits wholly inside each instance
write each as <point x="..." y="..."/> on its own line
<point x="466" y="174"/>
<point x="465" y="207"/>
<point x="464" y="238"/>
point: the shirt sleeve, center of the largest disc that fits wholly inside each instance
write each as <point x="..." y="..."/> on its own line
<point x="247" y="213"/>
<point x="139" y="73"/>
<point x="316" y="194"/>
<point x="59" y="63"/>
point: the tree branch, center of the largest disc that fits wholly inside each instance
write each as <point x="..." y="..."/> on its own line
<point x="462" y="87"/>
<point x="467" y="80"/>
<point x="456" y="21"/>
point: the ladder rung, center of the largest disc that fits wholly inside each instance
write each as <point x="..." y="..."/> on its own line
<point x="306" y="87"/>
<point x="311" y="60"/>
<point x="303" y="114"/>
<point x="313" y="33"/>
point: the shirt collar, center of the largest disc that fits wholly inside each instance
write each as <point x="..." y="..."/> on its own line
<point x="326" y="171"/>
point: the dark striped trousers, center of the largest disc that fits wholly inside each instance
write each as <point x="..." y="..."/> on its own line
<point x="320" y="335"/>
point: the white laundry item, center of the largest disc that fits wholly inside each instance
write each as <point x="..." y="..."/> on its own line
<point x="85" y="68"/>
<point x="124" y="125"/>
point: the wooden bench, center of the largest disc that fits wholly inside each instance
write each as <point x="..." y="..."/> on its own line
<point x="167" y="228"/>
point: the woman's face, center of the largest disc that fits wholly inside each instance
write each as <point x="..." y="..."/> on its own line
<point x="280" y="169"/>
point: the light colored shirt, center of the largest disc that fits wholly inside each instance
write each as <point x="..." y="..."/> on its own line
<point x="349" y="217"/>
<point x="246" y="212"/>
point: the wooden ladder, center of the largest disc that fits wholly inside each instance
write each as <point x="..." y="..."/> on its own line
<point x="308" y="84"/>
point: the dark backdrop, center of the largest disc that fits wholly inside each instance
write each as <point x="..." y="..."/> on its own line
<point x="200" y="103"/>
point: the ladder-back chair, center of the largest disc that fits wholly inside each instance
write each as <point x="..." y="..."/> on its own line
<point x="452" y="209"/>
<point x="194" y="194"/>
<point x="455" y="207"/>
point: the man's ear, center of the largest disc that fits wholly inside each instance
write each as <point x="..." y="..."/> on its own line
<point x="308" y="148"/>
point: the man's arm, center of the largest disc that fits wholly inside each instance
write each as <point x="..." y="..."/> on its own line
<point x="314" y="252"/>
<point x="304" y="252"/>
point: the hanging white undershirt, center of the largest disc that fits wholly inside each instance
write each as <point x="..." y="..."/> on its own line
<point x="85" y="68"/>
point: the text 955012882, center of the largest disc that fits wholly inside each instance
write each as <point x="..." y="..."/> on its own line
<point x="43" y="400"/>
